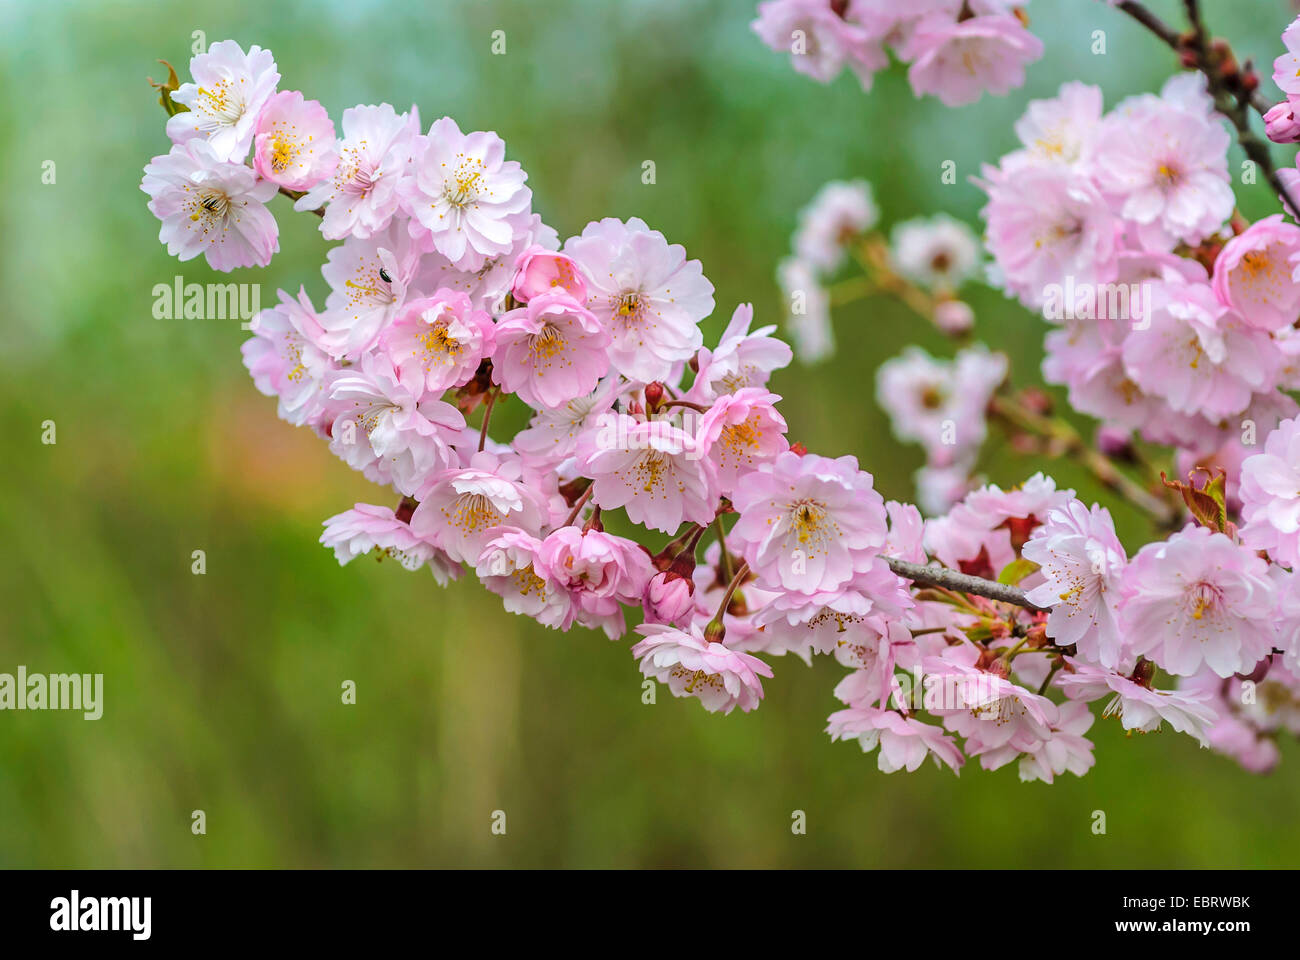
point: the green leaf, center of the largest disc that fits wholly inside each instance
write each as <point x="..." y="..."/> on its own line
<point x="165" y="89"/>
<point x="1016" y="570"/>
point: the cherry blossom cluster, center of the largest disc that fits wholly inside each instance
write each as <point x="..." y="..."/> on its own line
<point x="983" y="632"/>
<point x="1173" y="318"/>
<point x="1174" y="322"/>
<point x="957" y="49"/>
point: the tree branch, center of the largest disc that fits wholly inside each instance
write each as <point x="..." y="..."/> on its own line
<point x="933" y="575"/>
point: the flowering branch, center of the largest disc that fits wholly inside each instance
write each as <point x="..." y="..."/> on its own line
<point x="447" y="292"/>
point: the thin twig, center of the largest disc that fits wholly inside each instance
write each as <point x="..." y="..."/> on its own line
<point x="487" y="416"/>
<point x="577" y="507"/>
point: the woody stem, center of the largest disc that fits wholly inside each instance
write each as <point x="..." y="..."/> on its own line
<point x="933" y="575"/>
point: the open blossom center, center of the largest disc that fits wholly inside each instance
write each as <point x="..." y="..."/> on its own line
<point x="810" y="525"/>
<point x="440" y="347"/>
<point x="220" y="105"/>
<point x="210" y="206"/>
<point x="1169" y="174"/>
<point x="630" y="305"/>
<point x="356" y="175"/>
<point x="1204" y="598"/>
<point x="696" y="679"/>
<point x="373" y="291"/>
<point x="472" y="513"/>
<point x="545" y="346"/>
<point x="465" y="188"/>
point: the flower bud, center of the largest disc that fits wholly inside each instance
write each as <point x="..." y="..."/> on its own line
<point x="669" y="598"/>
<point x="954" y="317"/>
<point x="1281" y="125"/>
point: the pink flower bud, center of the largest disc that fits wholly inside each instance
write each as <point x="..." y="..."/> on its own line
<point x="669" y="598"/>
<point x="539" y="270"/>
<point x="954" y="316"/>
<point x="1281" y="125"/>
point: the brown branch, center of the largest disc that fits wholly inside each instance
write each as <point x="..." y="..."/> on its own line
<point x="933" y="575"/>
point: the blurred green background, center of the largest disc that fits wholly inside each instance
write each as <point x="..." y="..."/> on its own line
<point x="222" y="691"/>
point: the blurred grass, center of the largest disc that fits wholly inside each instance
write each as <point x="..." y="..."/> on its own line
<point x="222" y="691"/>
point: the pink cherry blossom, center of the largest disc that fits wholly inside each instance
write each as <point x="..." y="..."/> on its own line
<point x="692" y="666"/>
<point x="1198" y="356"/>
<point x="1139" y="706"/>
<point x="1058" y="130"/>
<point x="438" y="342"/>
<point x="369" y="280"/>
<point x="1286" y="68"/>
<point x="294" y="146"/>
<point x="906" y="532"/>
<point x="652" y="469"/>
<point x="1270" y="496"/>
<point x="645" y="292"/>
<point x="1280" y="123"/>
<point x="819" y="40"/>
<point x="669" y="598"/>
<point x="742" y="358"/>
<point x="367" y="529"/>
<point x="841" y="212"/>
<point x="226" y="96"/>
<point x="938" y="252"/>
<point x="1196" y="598"/>
<point x="987" y="708"/>
<point x="465" y="196"/>
<point x="374" y="159"/>
<point x="510" y="566"/>
<point x="1253" y="274"/>
<point x="983" y="533"/>
<point x="391" y="433"/>
<point x="286" y="360"/>
<point x="460" y="506"/>
<point x="600" y="571"/>
<point x="1081" y="560"/>
<point x="550" y="351"/>
<point x="904" y="742"/>
<point x="959" y="60"/>
<point x="739" y="432"/>
<point x="1066" y="751"/>
<point x="553" y="434"/>
<point x="940" y="404"/>
<point x="808" y="523"/>
<point x="1046" y="223"/>
<point x="938" y="488"/>
<point x="489" y="285"/>
<point x="212" y="207"/>
<point x="860" y="612"/>
<point x="1164" y="163"/>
